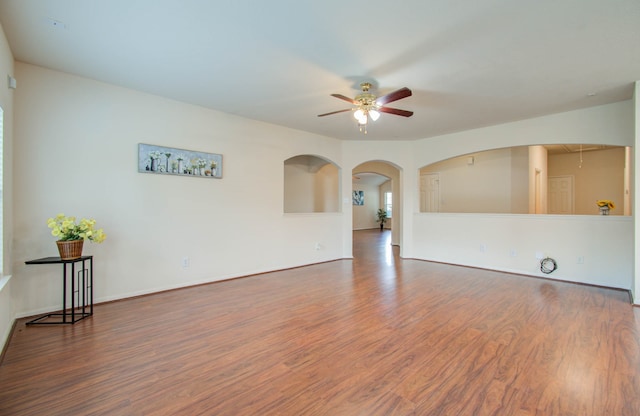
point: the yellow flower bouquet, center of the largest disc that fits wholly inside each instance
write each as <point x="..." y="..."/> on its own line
<point x="606" y="203"/>
<point x="68" y="229"/>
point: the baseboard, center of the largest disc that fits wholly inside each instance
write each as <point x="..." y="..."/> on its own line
<point x="5" y="343"/>
<point x="7" y="315"/>
<point x="534" y="276"/>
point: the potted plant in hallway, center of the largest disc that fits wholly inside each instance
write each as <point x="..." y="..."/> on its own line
<point x="382" y="218"/>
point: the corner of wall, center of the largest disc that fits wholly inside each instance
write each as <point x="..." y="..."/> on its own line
<point x="7" y="314"/>
<point x="635" y="286"/>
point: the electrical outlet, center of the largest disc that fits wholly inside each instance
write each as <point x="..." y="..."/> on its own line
<point x="580" y="260"/>
<point x="185" y="262"/>
<point x="318" y="246"/>
<point x="513" y="253"/>
<point x="483" y="248"/>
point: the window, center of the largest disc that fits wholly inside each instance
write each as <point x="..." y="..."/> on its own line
<point x="388" y="204"/>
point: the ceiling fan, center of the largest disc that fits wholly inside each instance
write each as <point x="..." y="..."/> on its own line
<point x="368" y="106"/>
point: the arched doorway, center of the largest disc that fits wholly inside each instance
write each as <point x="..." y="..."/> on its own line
<point x="388" y="195"/>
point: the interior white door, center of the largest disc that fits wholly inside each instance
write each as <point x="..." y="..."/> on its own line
<point x="560" y="195"/>
<point x="430" y="192"/>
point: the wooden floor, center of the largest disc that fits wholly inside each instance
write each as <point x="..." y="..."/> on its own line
<point x="374" y="336"/>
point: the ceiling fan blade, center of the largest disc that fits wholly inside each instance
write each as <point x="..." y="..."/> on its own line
<point x="347" y="99"/>
<point x="333" y="112"/>
<point x="394" y="96"/>
<point x="396" y="111"/>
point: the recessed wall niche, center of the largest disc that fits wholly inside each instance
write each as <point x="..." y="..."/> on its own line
<point x="311" y="184"/>
<point x="551" y="179"/>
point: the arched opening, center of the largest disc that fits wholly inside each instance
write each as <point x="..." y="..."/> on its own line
<point x="381" y="180"/>
<point x="311" y="184"/>
<point x="370" y="192"/>
<point x="554" y="179"/>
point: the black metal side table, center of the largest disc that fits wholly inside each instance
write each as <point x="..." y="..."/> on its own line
<point x="81" y="291"/>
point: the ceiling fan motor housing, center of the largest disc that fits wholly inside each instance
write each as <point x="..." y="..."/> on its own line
<point x="365" y="98"/>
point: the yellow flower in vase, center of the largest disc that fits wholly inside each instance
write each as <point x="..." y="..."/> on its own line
<point x="605" y="206"/>
<point x="605" y="203"/>
<point x="67" y="229"/>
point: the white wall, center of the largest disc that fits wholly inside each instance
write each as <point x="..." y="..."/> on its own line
<point x="589" y="249"/>
<point x="7" y="305"/>
<point x="76" y="152"/>
<point x="511" y="242"/>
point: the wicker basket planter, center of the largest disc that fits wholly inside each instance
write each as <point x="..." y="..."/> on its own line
<point x="70" y="250"/>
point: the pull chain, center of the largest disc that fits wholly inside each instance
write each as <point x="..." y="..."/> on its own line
<point x="580" y="165"/>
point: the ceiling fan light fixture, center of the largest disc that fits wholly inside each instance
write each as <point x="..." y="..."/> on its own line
<point x="361" y="116"/>
<point x="374" y="114"/>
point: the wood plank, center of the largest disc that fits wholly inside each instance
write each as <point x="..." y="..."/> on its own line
<point x="376" y="335"/>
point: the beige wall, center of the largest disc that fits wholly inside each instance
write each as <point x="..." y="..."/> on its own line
<point x="600" y="177"/>
<point x="327" y="189"/>
<point x="311" y="184"/>
<point x="519" y="180"/>
<point x="364" y="216"/>
<point x="497" y="181"/>
<point x="494" y="181"/>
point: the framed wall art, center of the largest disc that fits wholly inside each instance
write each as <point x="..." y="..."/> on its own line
<point x="172" y="161"/>
<point x="358" y="197"/>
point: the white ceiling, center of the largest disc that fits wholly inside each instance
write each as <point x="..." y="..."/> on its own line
<point x="368" y="179"/>
<point x="469" y="63"/>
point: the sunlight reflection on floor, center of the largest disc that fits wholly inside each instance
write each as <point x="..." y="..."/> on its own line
<point x="388" y="275"/>
<point x="388" y="250"/>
